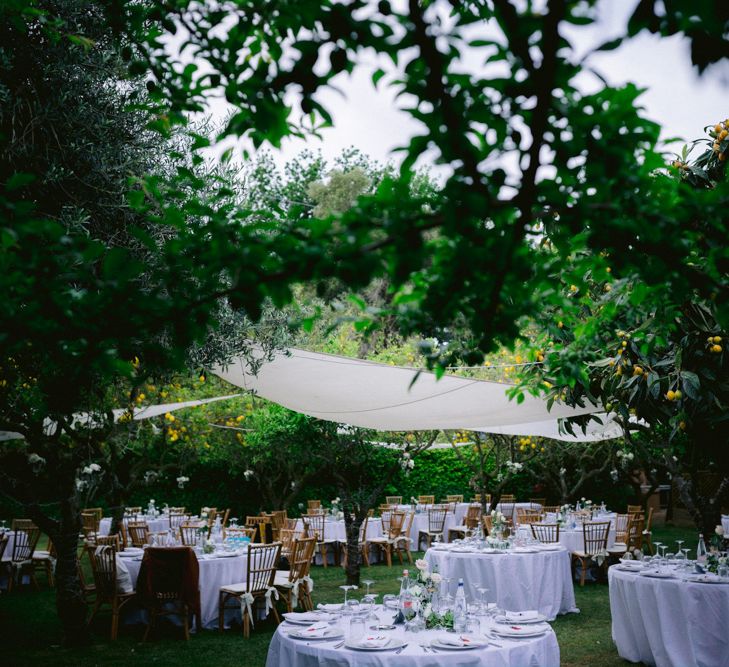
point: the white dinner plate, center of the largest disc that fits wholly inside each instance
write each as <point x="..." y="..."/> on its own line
<point x="330" y="608"/>
<point x="331" y="633"/>
<point x="225" y="554"/>
<point x="533" y="621"/>
<point x="706" y="579"/>
<point x="473" y="644"/>
<point x="463" y="551"/>
<point x="392" y="644"/>
<point x="524" y="550"/>
<point x="655" y="574"/>
<point x="550" y="547"/>
<point x="309" y="618"/>
<point x="520" y="630"/>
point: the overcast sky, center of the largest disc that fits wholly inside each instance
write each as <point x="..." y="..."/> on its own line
<point x="676" y="97"/>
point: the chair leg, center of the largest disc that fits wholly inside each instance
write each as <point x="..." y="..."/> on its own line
<point x="324" y="555"/>
<point x="246" y="624"/>
<point x="388" y="555"/>
<point x="583" y="563"/>
<point x="186" y="624"/>
<point x="150" y="623"/>
<point x="49" y="574"/>
<point x="114" y="621"/>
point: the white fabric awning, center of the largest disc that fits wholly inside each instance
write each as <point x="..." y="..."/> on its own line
<point x="391" y="398"/>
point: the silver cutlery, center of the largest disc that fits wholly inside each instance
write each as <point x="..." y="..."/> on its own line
<point x="401" y="649"/>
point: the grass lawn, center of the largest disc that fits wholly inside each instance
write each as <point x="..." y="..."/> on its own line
<point x="30" y="635"/>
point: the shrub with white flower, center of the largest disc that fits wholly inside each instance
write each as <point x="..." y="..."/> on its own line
<point x="514" y="467"/>
<point x="88" y="477"/>
<point x="614" y="475"/>
<point x="406" y="462"/>
<point x="36" y="462"/>
<point x="626" y="458"/>
<point x="719" y="530"/>
<point x="248" y="474"/>
<point x="181" y="481"/>
<point x="150" y="477"/>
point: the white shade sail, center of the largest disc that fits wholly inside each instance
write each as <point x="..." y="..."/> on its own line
<point x="391" y="398"/>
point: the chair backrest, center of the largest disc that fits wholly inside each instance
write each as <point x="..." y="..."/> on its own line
<point x="545" y="532"/>
<point x="550" y="509"/>
<point x="178" y="510"/>
<point x="507" y="498"/>
<point x="472" y="515"/>
<point x="313" y="504"/>
<point x="242" y="531"/>
<point x="138" y="533"/>
<point x="25" y="541"/>
<point x="3" y="543"/>
<point x="507" y="509"/>
<point x="363" y="530"/>
<point x="393" y="500"/>
<point x="169" y="574"/>
<point x="302" y="553"/>
<point x="226" y="516"/>
<point x="316" y="525"/>
<point x="537" y="503"/>
<point x="455" y="498"/>
<point x="426" y="500"/>
<point x="487" y="524"/>
<point x="286" y="537"/>
<point x="96" y="511"/>
<point x="257" y="520"/>
<point x="177" y="519"/>
<point x="396" y="521"/>
<point x="436" y="520"/>
<point x="132" y="511"/>
<point x="112" y="541"/>
<point x="386" y="507"/>
<point x="595" y="536"/>
<point x="189" y="533"/>
<point x="634" y="509"/>
<point x="649" y="520"/>
<point x="385" y="518"/>
<point x="409" y="525"/>
<point x="528" y="516"/>
<point x="635" y="532"/>
<point x="103" y="567"/>
<point x="621" y="527"/>
<point x="21" y="523"/>
<point x="261" y="568"/>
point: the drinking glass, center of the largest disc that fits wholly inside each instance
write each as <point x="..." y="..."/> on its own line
<point x="723" y="571"/>
<point x="356" y="628"/>
<point x="346" y="588"/>
<point x="679" y="543"/>
<point x="388" y="602"/>
<point x="368" y="583"/>
<point x="482" y="590"/>
<point x="368" y="602"/>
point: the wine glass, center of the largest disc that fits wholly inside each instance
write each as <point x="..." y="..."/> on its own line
<point x="482" y="590"/>
<point x="346" y="588"/>
<point x="679" y="543"/>
<point x="368" y="583"/>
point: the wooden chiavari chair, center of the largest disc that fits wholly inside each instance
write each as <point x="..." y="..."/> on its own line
<point x="138" y="533"/>
<point x="595" y="537"/>
<point x="259" y="523"/>
<point x="550" y="509"/>
<point x="633" y="537"/>
<point x="292" y="584"/>
<point x="426" y="500"/>
<point x="487" y="524"/>
<point x="25" y="540"/>
<point x="224" y="520"/>
<point x="316" y="527"/>
<point x="286" y="537"/>
<point x="538" y="503"/>
<point x="546" y="533"/>
<point x="189" y="533"/>
<point x="385" y="507"/>
<point x="313" y="504"/>
<point x="621" y="528"/>
<point x="178" y="510"/>
<point x="393" y="500"/>
<point x="524" y="516"/>
<point x="104" y="568"/>
<point x="436" y="525"/>
<point x="260" y="577"/>
<point x="112" y="541"/>
<point x="392" y="533"/>
<point x="507" y="498"/>
<point x="634" y="509"/>
<point x="470" y="521"/>
<point x="404" y="542"/>
<point x="455" y="498"/>
<point x="132" y="511"/>
<point x="89" y="526"/>
<point x="44" y="560"/>
<point x="177" y="519"/>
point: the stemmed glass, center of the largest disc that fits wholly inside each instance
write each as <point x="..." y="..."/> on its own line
<point x="346" y="588"/>
<point x="368" y="583"/>
<point x="482" y="590"/>
<point x="679" y="542"/>
<point x="657" y="545"/>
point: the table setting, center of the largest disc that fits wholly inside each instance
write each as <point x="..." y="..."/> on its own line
<point x="520" y="573"/>
<point x="670" y="611"/>
<point x="364" y="633"/>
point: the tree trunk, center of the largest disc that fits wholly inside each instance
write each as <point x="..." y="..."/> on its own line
<point x="705" y="512"/>
<point x="353" y="523"/>
<point x="70" y="603"/>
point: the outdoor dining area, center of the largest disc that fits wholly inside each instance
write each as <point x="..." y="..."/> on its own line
<point x="479" y="586"/>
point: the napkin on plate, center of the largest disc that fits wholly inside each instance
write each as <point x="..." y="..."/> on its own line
<point x="374" y="641"/>
<point x="457" y="640"/>
<point x="521" y="616"/>
<point x="303" y="616"/>
<point x="329" y="607"/>
<point x="316" y="630"/>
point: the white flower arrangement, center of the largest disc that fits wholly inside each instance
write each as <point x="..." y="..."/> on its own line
<point x="514" y="466"/>
<point x="181" y="481"/>
<point x="719" y="530"/>
<point x="562" y="472"/>
<point x="208" y="547"/>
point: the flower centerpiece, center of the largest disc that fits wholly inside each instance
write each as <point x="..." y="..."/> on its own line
<point x="717" y="538"/>
<point x="562" y="514"/>
<point x="335" y="508"/>
<point x="424" y="588"/>
<point x="208" y="547"/>
<point x="498" y="523"/>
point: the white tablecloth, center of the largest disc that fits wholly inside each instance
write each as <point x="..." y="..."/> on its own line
<point x="725" y="524"/>
<point x="571" y="539"/>
<point x="214" y="573"/>
<point x="509" y="509"/>
<point x="285" y="651"/>
<point x="669" y="622"/>
<point x="516" y="581"/>
<point x="158" y="525"/>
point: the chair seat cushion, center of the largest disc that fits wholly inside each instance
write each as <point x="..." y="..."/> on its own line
<point x="236" y="589"/>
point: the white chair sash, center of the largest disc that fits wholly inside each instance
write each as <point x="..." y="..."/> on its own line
<point x="295" y="590"/>
<point x="246" y="602"/>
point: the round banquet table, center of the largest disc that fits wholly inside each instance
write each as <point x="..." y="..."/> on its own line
<point x="571" y="539"/>
<point x="214" y="573"/>
<point x="669" y="622"/>
<point x="285" y="651"/>
<point x="336" y="530"/>
<point x="516" y="581"/>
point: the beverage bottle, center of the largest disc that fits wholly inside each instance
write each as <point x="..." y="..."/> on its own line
<point x="406" y="597"/>
<point x="701" y="550"/>
<point x="459" y="609"/>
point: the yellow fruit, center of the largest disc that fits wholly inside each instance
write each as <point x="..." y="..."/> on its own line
<point x="637" y="370"/>
<point x="608" y="269"/>
<point x="717" y="339"/>
<point x="682" y="425"/>
<point x="619" y="371"/>
<point x="678" y="394"/>
<point x="560" y="325"/>
<point x="608" y="288"/>
<point x="718" y="128"/>
<point x="624" y="344"/>
<point x="716" y="349"/>
<point x="722" y="135"/>
<point x="671" y="395"/>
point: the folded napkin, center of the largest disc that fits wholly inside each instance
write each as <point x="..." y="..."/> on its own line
<point x="457" y="640"/>
<point x="316" y="630"/>
<point x="376" y="641"/>
<point x="303" y="616"/>
<point x="517" y="616"/>
<point x="329" y="607"/>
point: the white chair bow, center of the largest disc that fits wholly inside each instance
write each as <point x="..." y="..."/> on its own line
<point x="271" y="591"/>
<point x="246" y="602"/>
<point x="297" y="585"/>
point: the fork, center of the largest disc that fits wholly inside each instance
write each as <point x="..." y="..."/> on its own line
<point x="401" y="649"/>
